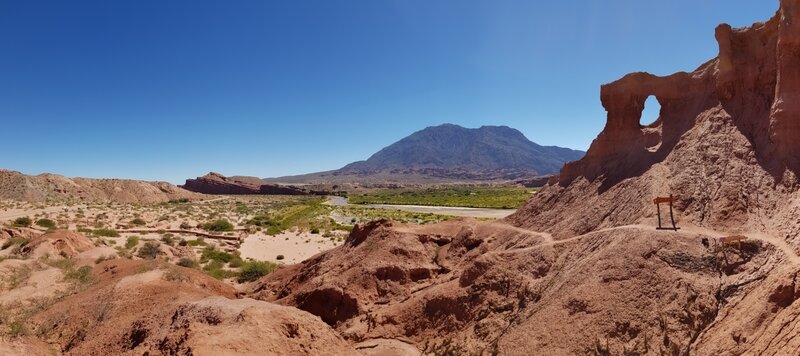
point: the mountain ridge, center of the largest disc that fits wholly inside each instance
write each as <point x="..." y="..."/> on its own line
<point x="450" y="152"/>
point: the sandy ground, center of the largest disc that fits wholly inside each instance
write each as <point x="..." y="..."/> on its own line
<point x="11" y="214"/>
<point x="295" y="247"/>
<point x="479" y="213"/>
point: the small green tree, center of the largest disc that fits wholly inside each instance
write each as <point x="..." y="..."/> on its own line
<point x="131" y="242"/>
<point x="23" y="221"/>
<point x="187" y="262"/>
<point x="219" y="225"/>
<point x="46" y="223"/>
<point x="254" y="270"/>
<point x="149" y="250"/>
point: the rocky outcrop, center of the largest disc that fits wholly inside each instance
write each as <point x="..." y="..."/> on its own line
<point x="725" y="143"/>
<point x="53" y="187"/>
<point x="215" y="183"/>
<point x="57" y="244"/>
<point x="137" y="307"/>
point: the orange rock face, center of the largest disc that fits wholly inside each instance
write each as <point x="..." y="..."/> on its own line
<point x="725" y="143"/>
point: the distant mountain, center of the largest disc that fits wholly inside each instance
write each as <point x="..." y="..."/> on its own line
<point x="451" y="152"/>
<point x="452" y="147"/>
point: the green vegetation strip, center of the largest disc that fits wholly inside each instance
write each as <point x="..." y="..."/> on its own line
<point x="473" y="197"/>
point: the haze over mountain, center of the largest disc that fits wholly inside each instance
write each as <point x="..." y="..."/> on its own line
<point x="452" y="152"/>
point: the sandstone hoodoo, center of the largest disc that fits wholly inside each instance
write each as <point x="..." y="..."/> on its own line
<point x="581" y="268"/>
<point x="724" y="143"/>
<point x="215" y="183"/>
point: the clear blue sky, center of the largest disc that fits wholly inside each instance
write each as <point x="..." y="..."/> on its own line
<point x="165" y="90"/>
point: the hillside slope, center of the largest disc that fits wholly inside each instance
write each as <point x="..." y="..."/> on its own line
<point x="50" y="187"/>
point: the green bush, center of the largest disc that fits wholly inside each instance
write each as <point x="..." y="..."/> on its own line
<point x="82" y="275"/>
<point x="168" y="239"/>
<point x="149" y="250"/>
<point x="215" y="269"/>
<point x="210" y="253"/>
<point x="187" y="262"/>
<point x="219" y="225"/>
<point x="254" y="270"/>
<point x="236" y="262"/>
<point x="131" y="242"/>
<point x="105" y="232"/>
<point x="23" y="222"/>
<point x="138" y="222"/>
<point x="16" y="329"/>
<point x="198" y="242"/>
<point x="261" y="221"/>
<point x="46" y="223"/>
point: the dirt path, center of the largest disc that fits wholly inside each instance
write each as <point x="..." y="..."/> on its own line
<point x="780" y="244"/>
<point x="502" y="225"/>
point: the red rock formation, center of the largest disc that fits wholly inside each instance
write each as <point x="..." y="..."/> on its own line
<point x="215" y="183"/>
<point x="725" y="142"/>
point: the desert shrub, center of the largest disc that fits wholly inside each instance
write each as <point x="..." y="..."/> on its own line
<point x="187" y="262"/>
<point x="215" y="269"/>
<point x="260" y="221"/>
<point x="183" y="242"/>
<point x="218" y="225"/>
<point x="198" y="242"/>
<point x="46" y="223"/>
<point x="149" y="250"/>
<point x="23" y="221"/>
<point x="138" y="222"/>
<point x="16" y="329"/>
<point x="168" y="239"/>
<point x="315" y="231"/>
<point x="254" y="270"/>
<point x="185" y="226"/>
<point x="179" y="201"/>
<point x="82" y="275"/>
<point x="280" y="257"/>
<point x="102" y="259"/>
<point x="131" y="242"/>
<point x="210" y="253"/>
<point x="174" y="275"/>
<point x="105" y="232"/>
<point x="236" y="262"/>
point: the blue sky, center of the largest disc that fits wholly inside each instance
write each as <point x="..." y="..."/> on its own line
<point x="165" y="90"/>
